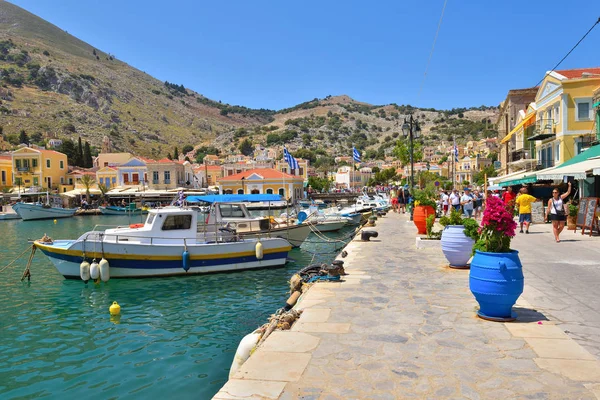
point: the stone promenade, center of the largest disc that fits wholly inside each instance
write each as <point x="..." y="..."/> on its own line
<point x="402" y="325"/>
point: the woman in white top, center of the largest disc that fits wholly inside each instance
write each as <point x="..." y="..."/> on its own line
<point x="556" y="211"/>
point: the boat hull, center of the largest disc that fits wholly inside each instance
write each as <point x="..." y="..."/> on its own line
<point x="329" y="226"/>
<point x="121" y="211"/>
<point x="295" y="234"/>
<point x="142" y="260"/>
<point x="29" y="212"/>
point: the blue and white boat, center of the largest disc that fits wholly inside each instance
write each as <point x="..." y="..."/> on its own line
<point x="51" y="209"/>
<point x="128" y="210"/>
<point x="169" y="243"/>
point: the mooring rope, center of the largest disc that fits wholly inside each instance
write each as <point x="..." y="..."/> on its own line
<point x="19" y="256"/>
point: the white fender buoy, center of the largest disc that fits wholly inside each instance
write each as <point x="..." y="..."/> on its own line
<point x="243" y="351"/>
<point x="94" y="270"/>
<point x="259" y="250"/>
<point x="104" y="270"/>
<point x="84" y="271"/>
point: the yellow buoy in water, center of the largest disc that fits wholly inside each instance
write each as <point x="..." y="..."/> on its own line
<point x="54" y="221"/>
<point x="115" y="308"/>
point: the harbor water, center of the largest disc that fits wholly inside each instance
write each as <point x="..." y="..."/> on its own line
<point x="175" y="338"/>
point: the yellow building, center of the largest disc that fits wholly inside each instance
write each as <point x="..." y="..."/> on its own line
<point x="302" y="171"/>
<point x="6" y="171"/>
<point x="40" y="168"/>
<point x="112" y="159"/>
<point x="560" y="123"/>
<point x="263" y="181"/>
<point x="107" y="176"/>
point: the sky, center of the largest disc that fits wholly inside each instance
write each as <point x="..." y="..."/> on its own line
<point x="276" y="54"/>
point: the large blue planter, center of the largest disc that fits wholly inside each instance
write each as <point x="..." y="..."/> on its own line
<point x="456" y="246"/>
<point x="496" y="281"/>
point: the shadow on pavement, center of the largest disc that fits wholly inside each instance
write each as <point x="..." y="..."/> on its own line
<point x="528" y="315"/>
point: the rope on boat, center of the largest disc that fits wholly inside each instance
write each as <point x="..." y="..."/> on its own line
<point x="19" y="256"/>
<point x="27" y="272"/>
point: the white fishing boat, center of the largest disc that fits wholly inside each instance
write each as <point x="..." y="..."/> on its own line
<point x="131" y="209"/>
<point x="321" y="221"/>
<point x="169" y="243"/>
<point x="226" y="213"/>
<point x="51" y="209"/>
<point x="8" y="213"/>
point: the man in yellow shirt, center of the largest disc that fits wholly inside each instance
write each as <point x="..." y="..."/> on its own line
<point x="524" y="201"/>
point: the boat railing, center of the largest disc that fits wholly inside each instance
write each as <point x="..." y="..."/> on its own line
<point x="218" y="236"/>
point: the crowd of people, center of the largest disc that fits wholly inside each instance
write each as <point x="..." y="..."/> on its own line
<point x="472" y="203"/>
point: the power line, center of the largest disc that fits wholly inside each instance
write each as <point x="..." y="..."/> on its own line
<point x="432" y="48"/>
<point x="570" y="51"/>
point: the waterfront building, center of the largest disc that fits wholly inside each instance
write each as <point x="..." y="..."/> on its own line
<point x="165" y="174"/>
<point x="302" y="171"/>
<point x="6" y="171"/>
<point x="516" y="100"/>
<point x="132" y="173"/>
<point x="468" y="166"/>
<point x="107" y="176"/>
<point x="112" y="159"/>
<point x="346" y="178"/>
<point x="214" y="174"/>
<point x="263" y="181"/>
<point x="596" y="105"/>
<point x="38" y="169"/>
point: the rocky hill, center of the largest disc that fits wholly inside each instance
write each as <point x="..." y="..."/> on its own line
<point x="54" y="85"/>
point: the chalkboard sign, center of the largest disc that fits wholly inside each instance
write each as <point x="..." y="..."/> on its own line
<point x="590" y="219"/>
<point x="581" y="212"/>
<point x="537" y="212"/>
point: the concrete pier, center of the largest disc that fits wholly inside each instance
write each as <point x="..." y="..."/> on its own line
<point x="403" y="325"/>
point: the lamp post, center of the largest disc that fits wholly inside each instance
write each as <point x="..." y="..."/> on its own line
<point x="411" y="129"/>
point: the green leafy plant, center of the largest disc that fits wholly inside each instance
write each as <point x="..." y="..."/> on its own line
<point x="497" y="228"/>
<point x="424" y="197"/>
<point x="431" y="234"/>
<point x="470" y="224"/>
<point x="573" y="210"/>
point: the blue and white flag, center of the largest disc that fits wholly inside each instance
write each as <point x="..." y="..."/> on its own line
<point x="290" y="160"/>
<point x="355" y="154"/>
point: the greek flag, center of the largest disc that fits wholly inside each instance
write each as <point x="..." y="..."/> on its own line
<point x="455" y="153"/>
<point x="355" y="154"/>
<point x="290" y="160"/>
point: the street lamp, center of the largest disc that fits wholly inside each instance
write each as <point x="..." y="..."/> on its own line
<point x="411" y="129"/>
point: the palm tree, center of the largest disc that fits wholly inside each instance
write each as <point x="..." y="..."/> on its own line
<point x="103" y="189"/>
<point x="87" y="182"/>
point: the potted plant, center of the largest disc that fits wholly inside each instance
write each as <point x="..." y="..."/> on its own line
<point x="496" y="275"/>
<point x="432" y="240"/>
<point x="572" y="217"/>
<point x="424" y="205"/>
<point x="458" y="238"/>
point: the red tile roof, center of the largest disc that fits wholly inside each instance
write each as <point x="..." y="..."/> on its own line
<point x="5" y="157"/>
<point x="267" y="173"/>
<point x="577" y="73"/>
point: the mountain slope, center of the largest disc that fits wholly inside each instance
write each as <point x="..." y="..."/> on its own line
<point x="56" y="85"/>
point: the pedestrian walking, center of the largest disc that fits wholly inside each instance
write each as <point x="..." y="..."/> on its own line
<point x="467" y="202"/>
<point x="445" y="198"/>
<point x="402" y="199"/>
<point x="455" y="199"/>
<point x="394" y="197"/>
<point x="477" y="203"/>
<point x="524" y="201"/>
<point x="556" y="211"/>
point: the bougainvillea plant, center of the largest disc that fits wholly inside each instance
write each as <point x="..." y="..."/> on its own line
<point x="497" y="227"/>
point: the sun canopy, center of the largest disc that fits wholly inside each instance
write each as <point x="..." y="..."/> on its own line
<point x="234" y="198"/>
<point x="578" y="170"/>
<point x="518" y="127"/>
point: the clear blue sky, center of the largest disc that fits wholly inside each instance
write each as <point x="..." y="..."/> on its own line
<point x="276" y="54"/>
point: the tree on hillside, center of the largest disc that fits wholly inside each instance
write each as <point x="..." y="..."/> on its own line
<point x="175" y="154"/>
<point x="69" y="149"/>
<point x="246" y="147"/>
<point x="87" y="156"/>
<point x="169" y="156"/>
<point x="23" y="138"/>
<point x="187" y="148"/>
<point x="79" y="161"/>
<point x="402" y="151"/>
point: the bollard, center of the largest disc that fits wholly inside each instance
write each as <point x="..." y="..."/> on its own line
<point x="339" y="265"/>
<point x="366" y="236"/>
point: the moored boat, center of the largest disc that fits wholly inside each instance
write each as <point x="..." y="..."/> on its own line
<point x="8" y="213"/>
<point x="117" y="210"/>
<point x="169" y="243"/>
<point x="32" y="211"/>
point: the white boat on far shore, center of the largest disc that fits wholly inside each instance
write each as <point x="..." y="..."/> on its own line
<point x="8" y="213"/>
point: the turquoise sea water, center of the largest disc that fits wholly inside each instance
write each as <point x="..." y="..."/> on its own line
<point x="176" y="337"/>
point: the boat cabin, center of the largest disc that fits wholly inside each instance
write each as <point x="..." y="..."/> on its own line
<point x="236" y="216"/>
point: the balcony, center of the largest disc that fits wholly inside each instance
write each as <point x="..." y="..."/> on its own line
<point x="23" y="169"/>
<point x="543" y="164"/>
<point x="521" y="159"/>
<point x="544" y="129"/>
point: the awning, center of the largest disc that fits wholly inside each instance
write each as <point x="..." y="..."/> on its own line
<point x="497" y="179"/>
<point x="517" y="128"/>
<point x="596" y="104"/>
<point x="520" y="179"/>
<point x="234" y="198"/>
<point x="577" y="171"/>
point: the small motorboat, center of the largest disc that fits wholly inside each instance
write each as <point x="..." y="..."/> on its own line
<point x="131" y="209"/>
<point x="51" y="209"/>
<point x="169" y="243"/>
<point x="8" y="213"/>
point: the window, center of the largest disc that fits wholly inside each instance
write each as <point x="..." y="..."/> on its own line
<point x="34" y="162"/>
<point x="47" y="163"/>
<point x="18" y="163"/>
<point x="62" y="180"/>
<point x="556" y="114"/>
<point x="583" y="110"/>
<point x="578" y="146"/>
<point x="114" y="180"/>
<point x="240" y="191"/>
<point x="557" y="152"/>
<point x="282" y="192"/>
<point x="126" y="178"/>
<point x="269" y="191"/>
<point x="70" y="181"/>
<point x="155" y="177"/>
<point x="62" y="164"/>
<point x="177" y="222"/>
<point x="231" y="211"/>
<point x="3" y="177"/>
<point x="101" y="181"/>
<point x="167" y="176"/>
<point x="150" y="219"/>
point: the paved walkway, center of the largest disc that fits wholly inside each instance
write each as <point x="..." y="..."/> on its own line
<point x="403" y="325"/>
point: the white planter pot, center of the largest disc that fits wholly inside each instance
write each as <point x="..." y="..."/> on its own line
<point x="423" y="243"/>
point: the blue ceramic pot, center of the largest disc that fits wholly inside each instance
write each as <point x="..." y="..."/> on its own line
<point x="496" y="281"/>
<point x="456" y="246"/>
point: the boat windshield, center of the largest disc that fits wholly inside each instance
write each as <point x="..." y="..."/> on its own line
<point x="150" y="218"/>
<point x="231" y="211"/>
<point x="177" y="222"/>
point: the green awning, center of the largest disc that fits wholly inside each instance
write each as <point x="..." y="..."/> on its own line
<point x="596" y="104"/>
<point x="527" y="178"/>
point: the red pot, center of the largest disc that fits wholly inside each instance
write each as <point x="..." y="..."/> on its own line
<point x="420" y="215"/>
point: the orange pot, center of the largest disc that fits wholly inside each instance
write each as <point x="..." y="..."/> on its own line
<point x="420" y="215"/>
